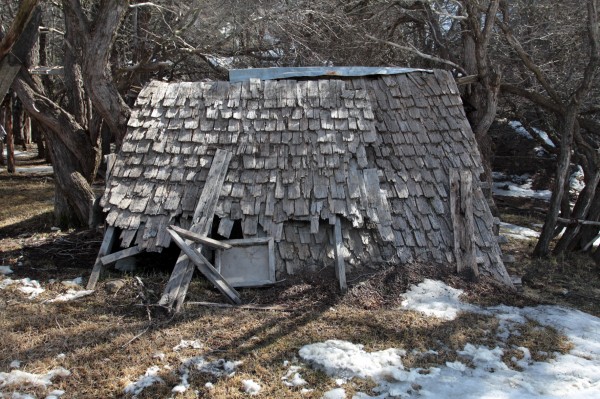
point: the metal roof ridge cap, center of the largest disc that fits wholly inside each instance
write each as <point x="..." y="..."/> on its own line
<point x="240" y="75"/>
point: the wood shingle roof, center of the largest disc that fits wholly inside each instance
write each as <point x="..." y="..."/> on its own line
<point x="375" y="151"/>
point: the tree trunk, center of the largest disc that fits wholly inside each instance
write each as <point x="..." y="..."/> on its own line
<point x="38" y="139"/>
<point x="74" y="155"/>
<point x="580" y="211"/>
<point x="562" y="171"/>
<point x="97" y="44"/>
<point x="10" y="141"/>
<point x="17" y="117"/>
<point x="8" y="70"/>
<point x="587" y="233"/>
<point x="483" y="95"/>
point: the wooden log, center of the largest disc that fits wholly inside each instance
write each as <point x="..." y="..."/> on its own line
<point x="107" y="243"/>
<point x="177" y="286"/>
<point x="207" y="269"/>
<point x="340" y="266"/>
<point x="125" y="253"/>
<point x="209" y="242"/>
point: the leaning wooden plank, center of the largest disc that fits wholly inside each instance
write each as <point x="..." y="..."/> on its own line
<point x="107" y="243"/>
<point x="248" y="241"/>
<point x="177" y="286"/>
<point x="209" y="242"/>
<point x="468" y="236"/>
<point x="207" y="269"/>
<point x="125" y="253"/>
<point x="340" y="266"/>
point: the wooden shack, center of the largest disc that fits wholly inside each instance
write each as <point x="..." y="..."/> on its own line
<point x="389" y="157"/>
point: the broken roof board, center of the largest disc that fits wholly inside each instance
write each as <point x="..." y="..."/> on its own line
<point x="240" y="75"/>
<point x="375" y="151"/>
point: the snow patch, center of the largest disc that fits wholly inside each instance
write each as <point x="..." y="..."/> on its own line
<point x="510" y="189"/>
<point x="434" y="298"/>
<point x="148" y="379"/>
<point x="28" y="286"/>
<point x="518" y="232"/>
<point x="575" y="375"/>
<point x="250" y="387"/>
<point x="292" y="377"/>
<point x="346" y="360"/>
<point x="185" y="344"/>
<point x="337" y="393"/>
<point x="22" y="379"/>
<point x="71" y="295"/>
<point x="75" y="283"/>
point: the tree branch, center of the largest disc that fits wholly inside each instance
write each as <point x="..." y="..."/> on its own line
<point x="418" y="53"/>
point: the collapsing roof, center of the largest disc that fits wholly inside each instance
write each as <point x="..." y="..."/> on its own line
<point x="375" y="151"/>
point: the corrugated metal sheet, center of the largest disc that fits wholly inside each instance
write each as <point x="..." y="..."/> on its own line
<point x="241" y="75"/>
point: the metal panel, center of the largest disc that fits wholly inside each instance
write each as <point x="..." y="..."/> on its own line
<point x="240" y="75"/>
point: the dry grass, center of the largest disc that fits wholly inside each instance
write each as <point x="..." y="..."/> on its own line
<point x="110" y="338"/>
<point x="25" y="200"/>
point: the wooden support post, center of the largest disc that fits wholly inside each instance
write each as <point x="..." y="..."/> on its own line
<point x="125" y="253"/>
<point x="107" y="243"/>
<point x="207" y="269"/>
<point x="455" y="214"/>
<point x="340" y="266"/>
<point x="178" y="284"/>
<point x="463" y="221"/>
<point x="468" y="233"/>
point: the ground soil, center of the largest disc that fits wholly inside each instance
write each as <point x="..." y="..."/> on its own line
<point x="111" y="337"/>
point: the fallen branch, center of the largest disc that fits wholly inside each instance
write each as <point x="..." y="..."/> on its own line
<point x="248" y="307"/>
<point x="578" y="221"/>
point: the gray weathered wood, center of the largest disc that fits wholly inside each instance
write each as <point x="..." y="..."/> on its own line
<point x="207" y="269"/>
<point x="247" y="268"/>
<point x="455" y="215"/>
<point x="107" y="243"/>
<point x="209" y="242"/>
<point x="125" y="253"/>
<point x="248" y="241"/>
<point x="340" y="266"/>
<point x="468" y="236"/>
<point x="177" y="286"/>
<point x="463" y="221"/>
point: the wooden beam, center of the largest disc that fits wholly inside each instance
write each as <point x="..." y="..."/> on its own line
<point x="107" y="243"/>
<point x="209" y="242"/>
<point x="468" y="233"/>
<point x="455" y="215"/>
<point x="340" y="266"/>
<point x="178" y="284"/>
<point x="125" y="253"/>
<point x="463" y="220"/>
<point x="206" y="268"/>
